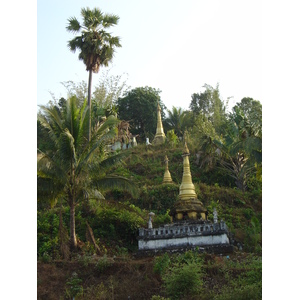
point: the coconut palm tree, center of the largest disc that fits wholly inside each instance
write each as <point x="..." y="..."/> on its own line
<point x="96" y="46"/>
<point x="75" y="169"/>
<point x="179" y="120"/>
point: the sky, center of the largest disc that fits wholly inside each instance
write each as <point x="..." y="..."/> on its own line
<point x="174" y="46"/>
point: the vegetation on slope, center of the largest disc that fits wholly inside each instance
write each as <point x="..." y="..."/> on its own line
<point x="115" y="221"/>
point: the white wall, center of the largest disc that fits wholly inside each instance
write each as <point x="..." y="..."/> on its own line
<point x="184" y="241"/>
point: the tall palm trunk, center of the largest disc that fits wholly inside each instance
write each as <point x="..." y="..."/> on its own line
<point x="89" y="103"/>
<point x="73" y="239"/>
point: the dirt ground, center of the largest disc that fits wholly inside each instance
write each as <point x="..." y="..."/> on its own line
<point x="131" y="279"/>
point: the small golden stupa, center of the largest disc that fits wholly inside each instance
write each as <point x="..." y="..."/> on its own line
<point x="160" y="136"/>
<point x="167" y="175"/>
<point x="188" y="205"/>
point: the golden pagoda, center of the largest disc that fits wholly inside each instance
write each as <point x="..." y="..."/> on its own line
<point x="167" y="175"/>
<point x="188" y="205"/>
<point x="160" y="136"/>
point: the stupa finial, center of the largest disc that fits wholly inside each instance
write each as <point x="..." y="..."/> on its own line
<point x="186" y="149"/>
<point x="160" y="136"/>
<point x="167" y="175"/>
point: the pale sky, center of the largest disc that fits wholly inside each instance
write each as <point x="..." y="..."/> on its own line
<point x="174" y="46"/>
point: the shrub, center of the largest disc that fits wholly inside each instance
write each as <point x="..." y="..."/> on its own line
<point x="99" y="292"/>
<point x="161" y="264"/>
<point x="45" y="258"/>
<point x="74" y="287"/>
<point x="182" y="274"/>
<point x="85" y="259"/>
<point x="118" y="223"/>
<point x="172" y="138"/>
<point x="247" y="292"/>
<point x="248" y="213"/>
<point x="162" y="219"/>
<point x="103" y="263"/>
<point x="47" y="233"/>
<point x="183" y="280"/>
<point x="158" y="198"/>
<point x="254" y="184"/>
<point x="253" y="237"/>
<point x="247" y="285"/>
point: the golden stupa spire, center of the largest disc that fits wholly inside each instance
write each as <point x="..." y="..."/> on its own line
<point x="167" y="175"/>
<point x="187" y="188"/>
<point x="186" y="150"/>
<point x="188" y="204"/>
<point x="160" y="135"/>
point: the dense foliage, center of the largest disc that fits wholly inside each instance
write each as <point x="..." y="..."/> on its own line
<point x="139" y="107"/>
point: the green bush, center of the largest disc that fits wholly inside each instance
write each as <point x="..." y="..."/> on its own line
<point x="121" y="252"/>
<point x="246" y="292"/>
<point x="172" y="138"/>
<point x="247" y="285"/>
<point x="103" y="263"/>
<point x="182" y="275"/>
<point x="183" y="279"/>
<point x="248" y="213"/>
<point x="117" y="223"/>
<point x="211" y="176"/>
<point x="161" y="219"/>
<point x="85" y="259"/>
<point x="253" y="237"/>
<point x="254" y="184"/>
<point x="158" y="199"/>
<point x="45" y="258"/>
<point x="99" y="292"/>
<point x="74" y="287"/>
<point x="161" y="264"/>
<point x="47" y="233"/>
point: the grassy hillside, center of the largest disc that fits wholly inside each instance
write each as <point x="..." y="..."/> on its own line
<point x="113" y="271"/>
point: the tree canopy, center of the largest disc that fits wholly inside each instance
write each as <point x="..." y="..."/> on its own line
<point x="139" y="107"/>
<point x="209" y="104"/>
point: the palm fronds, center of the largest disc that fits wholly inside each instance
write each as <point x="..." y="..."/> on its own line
<point x="116" y="182"/>
<point x="96" y="46"/>
<point x="76" y="169"/>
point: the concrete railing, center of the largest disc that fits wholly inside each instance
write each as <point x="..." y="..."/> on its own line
<point x="182" y="230"/>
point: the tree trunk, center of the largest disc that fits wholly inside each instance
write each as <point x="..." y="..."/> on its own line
<point x="90" y="238"/>
<point x="64" y="243"/>
<point x="73" y="240"/>
<point x="89" y="103"/>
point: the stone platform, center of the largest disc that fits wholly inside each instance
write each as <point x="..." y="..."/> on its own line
<point x="185" y="235"/>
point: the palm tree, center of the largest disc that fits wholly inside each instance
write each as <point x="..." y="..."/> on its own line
<point x="242" y="147"/>
<point x="96" y="46"/>
<point x="179" y="120"/>
<point x="75" y="169"/>
<point x="209" y="152"/>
